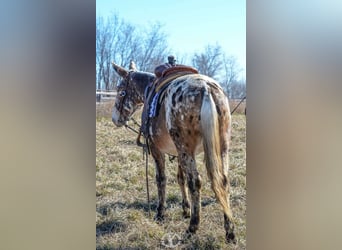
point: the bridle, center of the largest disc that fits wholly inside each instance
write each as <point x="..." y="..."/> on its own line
<point x="122" y="95"/>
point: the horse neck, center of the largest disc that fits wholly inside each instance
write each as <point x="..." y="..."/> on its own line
<point x="143" y="83"/>
<point x="141" y="90"/>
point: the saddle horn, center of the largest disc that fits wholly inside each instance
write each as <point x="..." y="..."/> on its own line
<point x="132" y="66"/>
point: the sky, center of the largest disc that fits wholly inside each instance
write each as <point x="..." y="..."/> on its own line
<point x="190" y="25"/>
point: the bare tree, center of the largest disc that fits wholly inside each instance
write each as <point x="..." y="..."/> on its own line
<point x="126" y="45"/>
<point x="119" y="41"/>
<point x="234" y="87"/>
<point x="231" y="69"/>
<point x="215" y="63"/>
<point x="106" y="36"/>
<point x="209" y="62"/>
<point x="154" y="48"/>
<point x="100" y="50"/>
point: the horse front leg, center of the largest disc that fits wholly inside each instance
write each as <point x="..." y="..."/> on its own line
<point x="159" y="160"/>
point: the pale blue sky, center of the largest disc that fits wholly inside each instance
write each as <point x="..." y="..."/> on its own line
<point x="189" y="24"/>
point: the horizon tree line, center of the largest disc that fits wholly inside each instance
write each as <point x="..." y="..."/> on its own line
<point x="121" y="42"/>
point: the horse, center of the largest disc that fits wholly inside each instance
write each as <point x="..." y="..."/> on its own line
<point x="194" y="116"/>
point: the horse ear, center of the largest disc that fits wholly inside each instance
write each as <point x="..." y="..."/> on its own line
<point x="132" y="66"/>
<point x="120" y="70"/>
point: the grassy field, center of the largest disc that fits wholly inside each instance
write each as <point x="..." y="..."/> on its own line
<point x="122" y="220"/>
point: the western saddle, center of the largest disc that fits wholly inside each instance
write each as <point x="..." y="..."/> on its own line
<point x="154" y="93"/>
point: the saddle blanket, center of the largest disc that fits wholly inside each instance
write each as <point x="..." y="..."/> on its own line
<point x="153" y="107"/>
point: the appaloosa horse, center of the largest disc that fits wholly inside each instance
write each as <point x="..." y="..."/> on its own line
<point x="194" y="116"/>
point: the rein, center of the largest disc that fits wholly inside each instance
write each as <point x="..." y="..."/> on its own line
<point x="131" y="128"/>
<point x="146" y="152"/>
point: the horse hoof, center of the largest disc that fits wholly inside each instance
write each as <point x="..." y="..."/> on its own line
<point x="159" y="218"/>
<point x="192" y="229"/>
<point x="230" y="237"/>
<point x="186" y="214"/>
<point x="187" y="234"/>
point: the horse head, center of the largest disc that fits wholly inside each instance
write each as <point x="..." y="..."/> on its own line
<point x="130" y="92"/>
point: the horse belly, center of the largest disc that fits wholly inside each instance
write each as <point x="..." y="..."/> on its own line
<point x="165" y="144"/>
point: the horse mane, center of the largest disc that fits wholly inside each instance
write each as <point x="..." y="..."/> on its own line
<point x="143" y="79"/>
<point x="143" y="76"/>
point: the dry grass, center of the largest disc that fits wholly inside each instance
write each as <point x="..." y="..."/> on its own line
<point x="104" y="109"/>
<point x="240" y="107"/>
<point x="122" y="220"/>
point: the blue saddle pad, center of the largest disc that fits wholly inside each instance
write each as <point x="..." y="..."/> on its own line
<point x="153" y="107"/>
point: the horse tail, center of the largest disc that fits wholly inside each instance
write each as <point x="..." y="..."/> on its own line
<point x="212" y="149"/>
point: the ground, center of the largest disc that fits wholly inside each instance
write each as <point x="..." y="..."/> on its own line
<point x="122" y="219"/>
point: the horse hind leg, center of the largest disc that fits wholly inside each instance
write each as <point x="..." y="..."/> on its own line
<point x="220" y="187"/>
<point x="227" y="212"/>
<point x="188" y="165"/>
<point x="228" y="218"/>
<point x="184" y="190"/>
